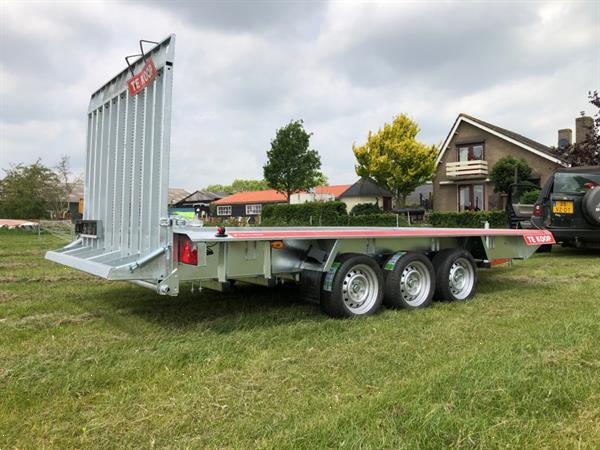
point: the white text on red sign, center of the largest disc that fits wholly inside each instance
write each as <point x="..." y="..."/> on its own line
<point x="142" y="79"/>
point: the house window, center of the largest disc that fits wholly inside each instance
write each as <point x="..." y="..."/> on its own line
<point x="470" y="152"/>
<point x="223" y="210"/>
<point x="253" y="210"/>
<point x="471" y="197"/>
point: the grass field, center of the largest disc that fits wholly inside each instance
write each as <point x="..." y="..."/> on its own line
<point x="88" y="363"/>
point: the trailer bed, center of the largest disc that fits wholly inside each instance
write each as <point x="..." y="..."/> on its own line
<point x="127" y="233"/>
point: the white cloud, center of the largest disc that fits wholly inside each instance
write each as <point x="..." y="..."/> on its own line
<point x="245" y="69"/>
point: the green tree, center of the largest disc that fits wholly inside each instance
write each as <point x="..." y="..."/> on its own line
<point x="239" y="185"/>
<point x="30" y="192"/>
<point x="291" y="165"/>
<point x="392" y="158"/>
<point x="507" y="171"/>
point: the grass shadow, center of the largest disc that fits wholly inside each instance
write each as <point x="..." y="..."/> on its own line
<point x="245" y="307"/>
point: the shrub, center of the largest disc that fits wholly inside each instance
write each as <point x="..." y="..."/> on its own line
<point x="530" y="197"/>
<point x="503" y="173"/>
<point x="377" y="220"/>
<point x="365" y="208"/>
<point x="468" y="219"/>
<point x="322" y="213"/>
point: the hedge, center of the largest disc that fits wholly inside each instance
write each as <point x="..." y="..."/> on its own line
<point x="377" y="220"/>
<point x="468" y="219"/>
<point x="322" y="213"/>
<point x="361" y="209"/>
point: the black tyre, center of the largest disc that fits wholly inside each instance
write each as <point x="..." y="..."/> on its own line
<point x="353" y="287"/>
<point x="591" y="206"/>
<point x="455" y="274"/>
<point x="409" y="281"/>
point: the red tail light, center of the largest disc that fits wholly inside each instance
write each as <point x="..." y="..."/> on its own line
<point x="537" y="211"/>
<point x="187" y="252"/>
<point x="590" y="185"/>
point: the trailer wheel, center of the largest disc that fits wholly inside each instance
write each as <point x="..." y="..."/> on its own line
<point x="353" y="287"/>
<point x="456" y="276"/>
<point x="409" y="282"/>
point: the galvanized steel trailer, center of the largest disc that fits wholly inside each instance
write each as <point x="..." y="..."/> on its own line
<point x="127" y="234"/>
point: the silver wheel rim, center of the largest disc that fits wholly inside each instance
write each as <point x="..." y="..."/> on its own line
<point x="461" y="278"/>
<point x="415" y="283"/>
<point x="360" y="289"/>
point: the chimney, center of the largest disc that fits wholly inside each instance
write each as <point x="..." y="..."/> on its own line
<point x="565" y="138"/>
<point x="583" y="128"/>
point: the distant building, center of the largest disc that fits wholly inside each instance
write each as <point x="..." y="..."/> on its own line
<point x="75" y="200"/>
<point x="199" y="202"/>
<point x="468" y="155"/>
<point x="176" y="194"/>
<point x="365" y="191"/>
<point x="245" y="204"/>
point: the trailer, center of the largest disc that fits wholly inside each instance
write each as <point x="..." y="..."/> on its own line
<point x="126" y="232"/>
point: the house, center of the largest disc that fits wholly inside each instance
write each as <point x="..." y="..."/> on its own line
<point x="320" y="194"/>
<point x="365" y="191"/>
<point x="244" y="204"/>
<point x="176" y="194"/>
<point x="467" y="156"/>
<point x="199" y="202"/>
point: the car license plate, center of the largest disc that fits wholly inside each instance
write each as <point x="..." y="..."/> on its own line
<point x="562" y="207"/>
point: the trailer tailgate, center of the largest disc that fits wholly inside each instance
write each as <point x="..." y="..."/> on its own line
<point x="127" y="173"/>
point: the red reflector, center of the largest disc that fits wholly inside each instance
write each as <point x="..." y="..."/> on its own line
<point x="187" y="251"/>
<point x="537" y="211"/>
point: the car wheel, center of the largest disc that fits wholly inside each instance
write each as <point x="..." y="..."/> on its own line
<point x="456" y="274"/>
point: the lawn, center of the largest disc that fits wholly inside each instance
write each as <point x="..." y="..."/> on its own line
<point x="88" y="363"/>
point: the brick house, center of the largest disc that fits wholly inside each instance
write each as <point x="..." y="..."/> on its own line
<point x="467" y="156"/>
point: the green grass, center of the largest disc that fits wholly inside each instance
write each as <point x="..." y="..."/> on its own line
<point x="88" y="363"/>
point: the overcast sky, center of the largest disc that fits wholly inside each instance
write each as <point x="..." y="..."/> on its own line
<point x="244" y="69"/>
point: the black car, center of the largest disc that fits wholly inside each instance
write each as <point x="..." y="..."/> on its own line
<point x="568" y="205"/>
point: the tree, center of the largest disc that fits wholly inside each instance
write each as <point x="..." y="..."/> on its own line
<point x="239" y="185"/>
<point x="587" y="152"/>
<point x="30" y="192"/>
<point x="291" y="166"/>
<point x="392" y="158"/>
<point x="503" y="173"/>
<point x="66" y="180"/>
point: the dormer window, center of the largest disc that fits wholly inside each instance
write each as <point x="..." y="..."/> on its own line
<point x="470" y="152"/>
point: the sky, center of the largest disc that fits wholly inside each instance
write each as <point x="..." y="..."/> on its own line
<point x="244" y="69"/>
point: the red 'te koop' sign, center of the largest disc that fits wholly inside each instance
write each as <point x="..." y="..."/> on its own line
<point x="139" y="82"/>
<point x="539" y="239"/>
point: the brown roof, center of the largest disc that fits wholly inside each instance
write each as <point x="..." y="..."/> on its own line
<point x="511" y="134"/>
<point x="201" y="197"/>
<point x="176" y="194"/>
